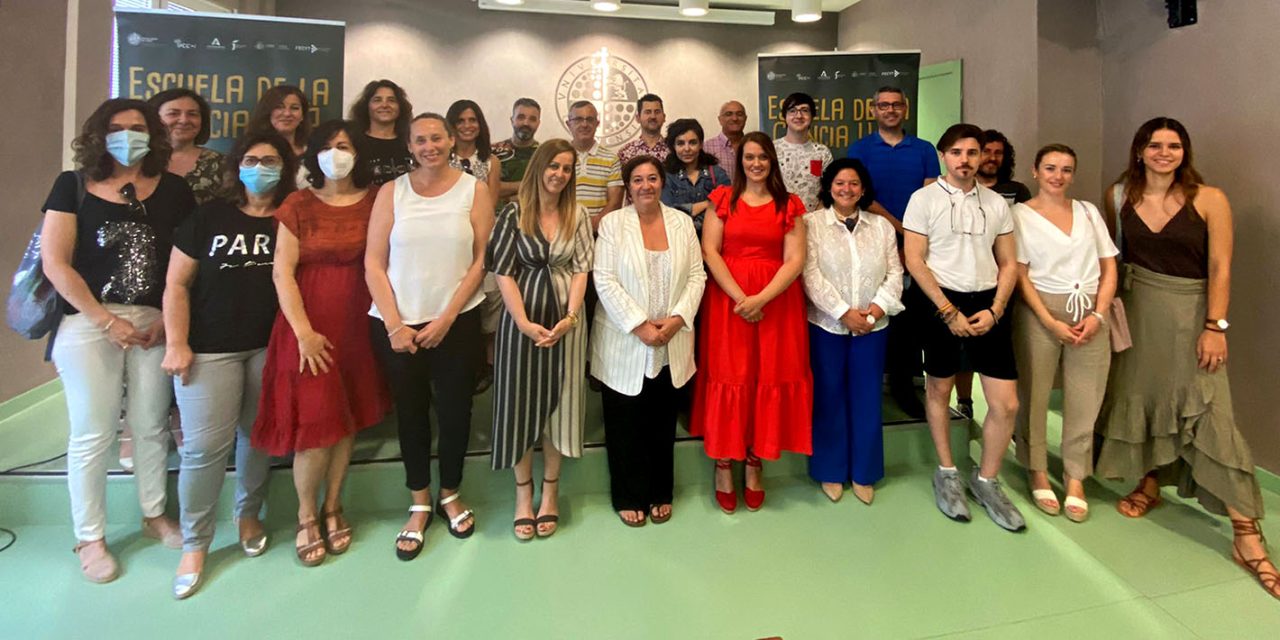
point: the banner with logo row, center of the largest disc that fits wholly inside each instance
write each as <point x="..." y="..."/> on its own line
<point x="844" y="87"/>
<point x="230" y="60"/>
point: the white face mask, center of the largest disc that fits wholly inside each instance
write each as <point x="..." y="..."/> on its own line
<point x="336" y="163"/>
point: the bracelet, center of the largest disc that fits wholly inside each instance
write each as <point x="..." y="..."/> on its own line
<point x="110" y="322"/>
<point x="995" y="319"/>
<point x="397" y="330"/>
<point x="572" y="317"/>
<point x="1101" y="318"/>
<point x="944" y="310"/>
<point x="948" y="315"/>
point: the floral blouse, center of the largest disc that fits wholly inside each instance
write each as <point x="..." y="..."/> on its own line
<point x="844" y="270"/>
<point x="206" y="178"/>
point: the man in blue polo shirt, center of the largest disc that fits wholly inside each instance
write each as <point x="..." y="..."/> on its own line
<point x="899" y="164"/>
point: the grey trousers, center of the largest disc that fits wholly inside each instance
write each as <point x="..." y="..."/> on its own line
<point x="218" y="405"/>
<point x="1084" y="383"/>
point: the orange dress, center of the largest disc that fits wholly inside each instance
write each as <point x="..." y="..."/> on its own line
<point x="303" y="411"/>
<point x="754" y="388"/>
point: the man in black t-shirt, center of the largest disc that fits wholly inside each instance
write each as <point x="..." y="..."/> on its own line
<point x="996" y="170"/>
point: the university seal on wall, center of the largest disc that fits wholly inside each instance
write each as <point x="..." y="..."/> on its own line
<point x="613" y="85"/>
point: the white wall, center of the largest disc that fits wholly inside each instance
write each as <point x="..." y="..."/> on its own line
<point x="446" y="50"/>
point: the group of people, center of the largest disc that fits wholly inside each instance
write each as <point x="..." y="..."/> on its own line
<point x="320" y="276"/>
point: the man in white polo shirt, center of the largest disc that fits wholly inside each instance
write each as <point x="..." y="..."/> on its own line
<point x="960" y="249"/>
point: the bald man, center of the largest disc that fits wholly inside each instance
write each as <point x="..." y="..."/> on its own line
<point x="733" y="122"/>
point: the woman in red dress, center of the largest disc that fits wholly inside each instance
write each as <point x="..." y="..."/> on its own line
<point x="321" y="382"/>
<point x="754" y="396"/>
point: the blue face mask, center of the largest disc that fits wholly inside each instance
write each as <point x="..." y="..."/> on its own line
<point x="259" y="179"/>
<point x="128" y="147"/>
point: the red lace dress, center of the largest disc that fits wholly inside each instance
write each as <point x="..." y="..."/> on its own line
<point x="754" y="386"/>
<point x="303" y="411"/>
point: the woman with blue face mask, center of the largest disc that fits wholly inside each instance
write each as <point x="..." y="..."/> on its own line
<point x="219" y="305"/>
<point x="108" y="229"/>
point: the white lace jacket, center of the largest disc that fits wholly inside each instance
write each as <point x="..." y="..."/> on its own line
<point x="843" y="272"/>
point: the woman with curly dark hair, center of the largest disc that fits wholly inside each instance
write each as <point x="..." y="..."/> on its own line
<point x="108" y="229"/>
<point x="283" y="109"/>
<point x="383" y="112"/>
<point x="185" y="115"/>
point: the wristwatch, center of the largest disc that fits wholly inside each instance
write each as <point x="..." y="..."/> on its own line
<point x="871" y="319"/>
<point x="1220" y="325"/>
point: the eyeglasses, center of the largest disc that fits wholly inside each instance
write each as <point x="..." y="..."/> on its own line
<point x="581" y="120"/>
<point x="895" y="106"/>
<point x="958" y="225"/>
<point x="130" y="195"/>
<point x="799" y="111"/>
<point x="270" y="162"/>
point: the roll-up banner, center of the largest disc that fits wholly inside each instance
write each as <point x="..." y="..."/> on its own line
<point x="843" y="85"/>
<point x="231" y="60"/>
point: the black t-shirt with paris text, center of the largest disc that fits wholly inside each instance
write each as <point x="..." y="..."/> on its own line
<point x="233" y="301"/>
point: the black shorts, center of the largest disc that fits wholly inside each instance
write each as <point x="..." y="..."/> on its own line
<point x="946" y="354"/>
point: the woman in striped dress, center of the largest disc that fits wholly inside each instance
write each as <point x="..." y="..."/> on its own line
<point x="540" y="253"/>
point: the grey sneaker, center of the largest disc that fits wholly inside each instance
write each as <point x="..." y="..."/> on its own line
<point x="948" y="492"/>
<point x="989" y="494"/>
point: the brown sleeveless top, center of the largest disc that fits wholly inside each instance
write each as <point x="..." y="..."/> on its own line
<point x="1180" y="249"/>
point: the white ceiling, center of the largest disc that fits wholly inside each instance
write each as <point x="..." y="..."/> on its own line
<point x="827" y="5"/>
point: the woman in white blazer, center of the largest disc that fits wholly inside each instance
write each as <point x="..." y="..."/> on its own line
<point x="649" y="275"/>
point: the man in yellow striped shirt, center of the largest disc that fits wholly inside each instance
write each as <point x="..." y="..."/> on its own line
<point x="599" y="174"/>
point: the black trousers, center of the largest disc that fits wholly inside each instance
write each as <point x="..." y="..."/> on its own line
<point x="904" y="353"/>
<point x="640" y="434"/>
<point x="447" y="373"/>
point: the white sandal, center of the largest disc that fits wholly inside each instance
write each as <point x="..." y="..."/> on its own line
<point x="414" y="536"/>
<point x="458" y="519"/>
<point x="1043" y="496"/>
<point x="1077" y="510"/>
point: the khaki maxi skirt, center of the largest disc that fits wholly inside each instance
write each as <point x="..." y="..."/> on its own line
<point x="1164" y="413"/>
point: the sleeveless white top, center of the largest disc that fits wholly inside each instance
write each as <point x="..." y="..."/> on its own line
<point x="430" y="253"/>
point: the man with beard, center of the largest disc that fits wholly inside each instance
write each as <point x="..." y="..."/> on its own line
<point x="733" y="123"/>
<point x="514" y="154"/>
<point x="996" y="170"/>
<point x="961" y="253"/>
<point x="650" y="143"/>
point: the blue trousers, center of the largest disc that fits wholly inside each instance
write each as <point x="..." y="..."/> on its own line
<point x="848" y="441"/>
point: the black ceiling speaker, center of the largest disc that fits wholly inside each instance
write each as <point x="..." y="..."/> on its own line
<point x="1181" y="12"/>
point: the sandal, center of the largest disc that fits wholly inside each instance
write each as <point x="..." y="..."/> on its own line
<point x="418" y="537"/>
<point x="551" y="519"/>
<point x="458" y="519"/>
<point x="753" y="497"/>
<point x="1047" y="501"/>
<point x="1076" y="509"/>
<point x="726" y="500"/>
<point x="315" y="542"/>
<point x="1138" y="503"/>
<point x="525" y="522"/>
<point x="636" y="524"/>
<point x="98" y="566"/>
<point x="340" y="530"/>
<point x="1269" y="579"/>
<point x="655" y="517"/>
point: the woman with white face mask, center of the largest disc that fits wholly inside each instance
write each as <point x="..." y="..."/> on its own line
<point x="321" y="383"/>
<point x="108" y="228"/>
<point x="218" y="309"/>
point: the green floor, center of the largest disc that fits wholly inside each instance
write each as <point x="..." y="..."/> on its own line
<point x="800" y="568"/>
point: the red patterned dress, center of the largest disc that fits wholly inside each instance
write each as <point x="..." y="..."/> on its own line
<point x="754" y="386"/>
<point x="304" y="411"/>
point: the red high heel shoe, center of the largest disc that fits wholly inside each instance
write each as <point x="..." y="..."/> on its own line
<point x="727" y="500"/>
<point x="753" y="498"/>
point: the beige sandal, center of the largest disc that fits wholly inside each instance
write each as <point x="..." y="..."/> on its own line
<point x="99" y="568"/>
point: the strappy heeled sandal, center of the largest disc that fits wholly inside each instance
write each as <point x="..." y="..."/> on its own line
<point x="551" y="518"/>
<point x="726" y="500"/>
<point x="458" y="519"/>
<point x="1139" y="503"/>
<point x="1270" y="580"/>
<point x="753" y="497"/>
<point x="418" y="537"/>
<point x="525" y="522"/>
<point x="315" y="541"/>
<point x="342" y="529"/>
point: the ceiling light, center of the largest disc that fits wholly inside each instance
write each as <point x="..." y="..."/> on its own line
<point x="511" y="3"/>
<point x="806" y="10"/>
<point x="694" y="8"/>
<point x="606" y="5"/>
<point x="633" y="10"/>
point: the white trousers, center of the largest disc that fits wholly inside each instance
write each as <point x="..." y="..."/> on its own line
<point x="93" y="373"/>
